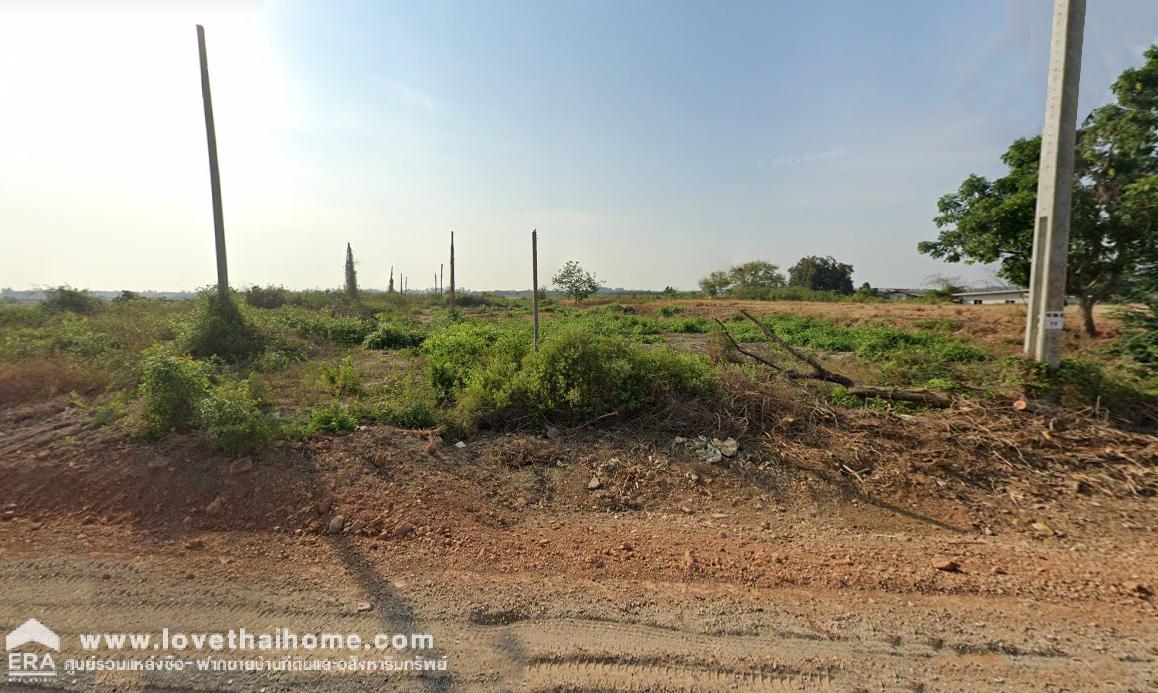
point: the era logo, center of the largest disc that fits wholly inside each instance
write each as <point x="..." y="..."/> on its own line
<point x="30" y="666"/>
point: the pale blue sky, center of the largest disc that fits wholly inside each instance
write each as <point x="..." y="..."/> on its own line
<point x="651" y="141"/>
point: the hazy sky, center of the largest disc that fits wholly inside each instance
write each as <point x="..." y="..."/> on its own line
<point x="653" y="141"/>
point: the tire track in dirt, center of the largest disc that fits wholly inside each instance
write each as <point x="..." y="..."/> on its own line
<point x="620" y="675"/>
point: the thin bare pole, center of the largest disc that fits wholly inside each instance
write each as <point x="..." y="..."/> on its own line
<point x="535" y="283"/>
<point x="440" y="284"/>
<point x="214" y="174"/>
<point x="452" y="271"/>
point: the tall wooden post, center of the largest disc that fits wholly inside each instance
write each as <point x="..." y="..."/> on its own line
<point x="1047" y="277"/>
<point x="440" y="284"/>
<point x="535" y="283"/>
<point x="452" y="271"/>
<point x="214" y="174"/>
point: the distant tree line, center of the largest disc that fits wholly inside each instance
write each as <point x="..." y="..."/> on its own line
<point x="758" y="279"/>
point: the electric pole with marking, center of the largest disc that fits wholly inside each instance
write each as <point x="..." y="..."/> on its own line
<point x="1051" y="234"/>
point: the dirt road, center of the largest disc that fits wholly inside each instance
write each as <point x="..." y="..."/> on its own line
<point x="671" y="575"/>
<point x="556" y="631"/>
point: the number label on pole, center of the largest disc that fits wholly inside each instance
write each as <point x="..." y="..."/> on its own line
<point x="1053" y="320"/>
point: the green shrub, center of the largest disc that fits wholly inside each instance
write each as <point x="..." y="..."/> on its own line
<point x="172" y="388"/>
<point x="65" y="299"/>
<point x="343" y="378"/>
<point x="577" y="375"/>
<point x="410" y="411"/>
<point x="472" y="300"/>
<point x="394" y="333"/>
<point x="456" y="348"/>
<point x="333" y="419"/>
<point x="689" y="325"/>
<point x="266" y="296"/>
<point x="1139" y="339"/>
<point x="218" y="328"/>
<point x="232" y="418"/>
<point x="668" y="311"/>
<point x="319" y="326"/>
<point x="272" y="361"/>
<point x="61" y="333"/>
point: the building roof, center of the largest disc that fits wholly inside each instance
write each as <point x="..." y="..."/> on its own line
<point x="982" y="292"/>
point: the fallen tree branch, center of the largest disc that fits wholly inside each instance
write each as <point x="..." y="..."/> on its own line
<point x="819" y="371"/>
<point x="751" y="354"/>
<point x="928" y="398"/>
<point x="924" y="397"/>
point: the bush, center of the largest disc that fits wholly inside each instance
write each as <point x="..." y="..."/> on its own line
<point x="343" y="378"/>
<point x="332" y="419"/>
<point x="266" y="296"/>
<point x="471" y="300"/>
<point x="577" y="375"/>
<point x="394" y="334"/>
<point x="668" y="311"/>
<point x="65" y="299"/>
<point x="456" y="349"/>
<point x="1139" y="340"/>
<point x="581" y="375"/>
<point x="319" y="326"/>
<point x="218" y="328"/>
<point x="172" y="388"/>
<point x="410" y="410"/>
<point x="232" y="418"/>
<point x="689" y="325"/>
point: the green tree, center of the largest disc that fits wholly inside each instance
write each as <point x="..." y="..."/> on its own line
<point x="715" y="284"/>
<point x="351" y="274"/>
<point x="1112" y="242"/>
<point x="748" y="280"/>
<point x="576" y="282"/>
<point x="821" y="274"/>
<point x="756" y="274"/>
<point x="65" y="299"/>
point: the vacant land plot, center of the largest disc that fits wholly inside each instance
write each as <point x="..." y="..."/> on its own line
<point x="638" y="505"/>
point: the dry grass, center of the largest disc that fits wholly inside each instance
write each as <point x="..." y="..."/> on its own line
<point x="41" y="378"/>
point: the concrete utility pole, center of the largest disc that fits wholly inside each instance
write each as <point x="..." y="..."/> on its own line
<point x="535" y="283"/>
<point x="452" y="271"/>
<point x="1051" y="234"/>
<point x="214" y="174"/>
